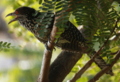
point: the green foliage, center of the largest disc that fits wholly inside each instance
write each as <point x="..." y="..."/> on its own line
<point x="44" y="21"/>
<point x="4" y="45"/>
<point x="59" y="8"/>
<point x="98" y="17"/>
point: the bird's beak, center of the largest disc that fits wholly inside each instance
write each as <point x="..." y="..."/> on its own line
<point x="12" y="14"/>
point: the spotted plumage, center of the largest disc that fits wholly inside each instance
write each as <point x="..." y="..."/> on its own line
<point x="71" y="39"/>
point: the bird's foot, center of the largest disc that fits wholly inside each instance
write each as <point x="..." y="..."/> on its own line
<point x="47" y="47"/>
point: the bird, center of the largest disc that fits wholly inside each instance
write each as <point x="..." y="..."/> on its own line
<point x="70" y="40"/>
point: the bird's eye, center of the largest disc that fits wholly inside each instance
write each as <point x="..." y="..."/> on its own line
<point x="16" y="12"/>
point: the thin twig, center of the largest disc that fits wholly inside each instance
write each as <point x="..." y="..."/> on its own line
<point x="47" y="57"/>
<point x="103" y="71"/>
<point x="88" y="64"/>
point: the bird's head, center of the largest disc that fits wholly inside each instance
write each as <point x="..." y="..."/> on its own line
<point x="22" y="13"/>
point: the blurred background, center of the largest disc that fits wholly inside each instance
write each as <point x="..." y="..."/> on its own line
<point x="22" y="61"/>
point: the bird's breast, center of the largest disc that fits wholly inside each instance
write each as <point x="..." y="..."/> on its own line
<point x="36" y="29"/>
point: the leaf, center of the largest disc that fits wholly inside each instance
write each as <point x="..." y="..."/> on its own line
<point x="40" y="1"/>
<point x="8" y="45"/>
<point x="4" y="44"/>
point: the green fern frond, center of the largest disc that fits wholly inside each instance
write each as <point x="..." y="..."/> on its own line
<point x="96" y="16"/>
<point x="51" y="8"/>
<point x="4" y="45"/>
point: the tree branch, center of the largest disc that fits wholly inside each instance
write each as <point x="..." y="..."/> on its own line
<point x="86" y="66"/>
<point x="103" y="71"/>
<point x="43" y="77"/>
<point x="63" y="65"/>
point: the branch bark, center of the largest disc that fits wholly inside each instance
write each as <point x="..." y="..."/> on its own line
<point x="43" y="77"/>
<point x="63" y="65"/>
